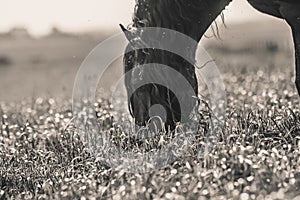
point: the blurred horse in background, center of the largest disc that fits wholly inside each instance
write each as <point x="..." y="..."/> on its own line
<point x="192" y="18"/>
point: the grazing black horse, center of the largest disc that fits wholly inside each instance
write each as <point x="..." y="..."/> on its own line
<point x="192" y="18"/>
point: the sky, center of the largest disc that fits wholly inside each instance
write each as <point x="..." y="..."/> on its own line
<point x="39" y="16"/>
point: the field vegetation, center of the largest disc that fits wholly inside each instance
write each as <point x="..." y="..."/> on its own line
<point x="257" y="154"/>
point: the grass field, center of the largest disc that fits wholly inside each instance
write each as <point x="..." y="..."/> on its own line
<point x="256" y="157"/>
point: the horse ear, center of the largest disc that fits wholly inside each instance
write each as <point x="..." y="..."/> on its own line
<point x="127" y="33"/>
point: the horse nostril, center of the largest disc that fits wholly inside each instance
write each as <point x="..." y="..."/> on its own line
<point x="159" y="111"/>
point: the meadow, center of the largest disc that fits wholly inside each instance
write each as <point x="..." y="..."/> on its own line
<point x="257" y="155"/>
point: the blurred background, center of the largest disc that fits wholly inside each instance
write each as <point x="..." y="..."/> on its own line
<point x="43" y="43"/>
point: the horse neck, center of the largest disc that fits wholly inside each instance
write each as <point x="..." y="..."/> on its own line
<point x="191" y="18"/>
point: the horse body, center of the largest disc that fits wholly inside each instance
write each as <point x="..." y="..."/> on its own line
<point x="191" y="18"/>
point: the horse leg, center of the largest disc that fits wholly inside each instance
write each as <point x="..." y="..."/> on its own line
<point x="291" y="13"/>
<point x="296" y="38"/>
